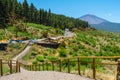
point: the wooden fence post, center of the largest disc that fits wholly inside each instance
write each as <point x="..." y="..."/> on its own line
<point x="94" y="69"/>
<point x="46" y="66"/>
<point x="68" y="65"/>
<point x="10" y="66"/>
<point x="60" y="66"/>
<point x="43" y="66"/>
<point x="118" y="71"/>
<point x="30" y="67"/>
<point x="52" y="65"/>
<point x="39" y="67"/>
<point x="17" y="66"/>
<point x="35" y="67"/>
<point x="1" y="67"/>
<point x="79" y="66"/>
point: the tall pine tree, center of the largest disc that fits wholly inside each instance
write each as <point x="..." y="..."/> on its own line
<point x="32" y="10"/>
<point x="3" y="15"/>
<point x="25" y="9"/>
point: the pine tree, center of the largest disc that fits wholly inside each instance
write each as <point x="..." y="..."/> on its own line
<point x="49" y="17"/>
<point x="41" y="12"/>
<point x="20" y="12"/>
<point x="25" y="9"/>
<point x="32" y="12"/>
<point x="17" y="7"/>
<point x="3" y="15"/>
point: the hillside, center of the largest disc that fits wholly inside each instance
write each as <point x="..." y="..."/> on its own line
<point x="85" y="43"/>
<point x="112" y="27"/>
<point x="31" y="31"/>
<point x="89" y="42"/>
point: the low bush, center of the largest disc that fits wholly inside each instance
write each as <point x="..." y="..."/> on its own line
<point x="40" y="58"/>
<point x="63" y="53"/>
<point x="33" y="53"/>
<point x="52" y="58"/>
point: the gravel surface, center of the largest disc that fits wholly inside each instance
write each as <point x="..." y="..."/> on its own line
<point x="42" y="75"/>
<point x="23" y="53"/>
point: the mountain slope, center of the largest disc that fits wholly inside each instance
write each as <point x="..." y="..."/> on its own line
<point x="100" y="23"/>
<point x="92" y="19"/>
<point x="112" y="27"/>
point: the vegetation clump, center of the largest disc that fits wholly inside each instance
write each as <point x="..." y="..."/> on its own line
<point x="40" y="58"/>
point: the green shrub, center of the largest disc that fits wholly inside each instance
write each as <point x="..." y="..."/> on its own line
<point x="40" y="58"/>
<point x="52" y="58"/>
<point x="45" y="34"/>
<point x="33" y="53"/>
<point x="16" y="46"/>
<point x="63" y="53"/>
<point x="45" y="54"/>
<point x="81" y="46"/>
<point x="35" y="62"/>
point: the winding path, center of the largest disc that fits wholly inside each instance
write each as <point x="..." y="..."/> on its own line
<point x="39" y="75"/>
<point x="23" y="53"/>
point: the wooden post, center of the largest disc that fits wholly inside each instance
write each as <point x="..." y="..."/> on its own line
<point x="30" y="67"/>
<point x="52" y="65"/>
<point x="26" y="66"/>
<point x="60" y="66"/>
<point x="1" y="67"/>
<point x="94" y="69"/>
<point x="68" y="65"/>
<point x="118" y="71"/>
<point x="35" y="67"/>
<point x="39" y="68"/>
<point x="79" y="66"/>
<point x="46" y="66"/>
<point x="10" y="66"/>
<point x="17" y="66"/>
<point x="43" y="66"/>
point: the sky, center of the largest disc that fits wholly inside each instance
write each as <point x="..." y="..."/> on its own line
<point x="107" y="9"/>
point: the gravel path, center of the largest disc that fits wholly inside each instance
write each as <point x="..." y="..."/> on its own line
<point x="42" y="75"/>
<point x="23" y="53"/>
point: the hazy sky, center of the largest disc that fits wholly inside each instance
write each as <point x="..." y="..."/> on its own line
<point x="107" y="9"/>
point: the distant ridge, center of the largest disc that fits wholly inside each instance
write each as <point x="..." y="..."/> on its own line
<point x="92" y="19"/>
<point x="100" y="23"/>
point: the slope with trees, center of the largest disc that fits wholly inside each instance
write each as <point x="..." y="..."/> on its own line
<point x="29" y="13"/>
